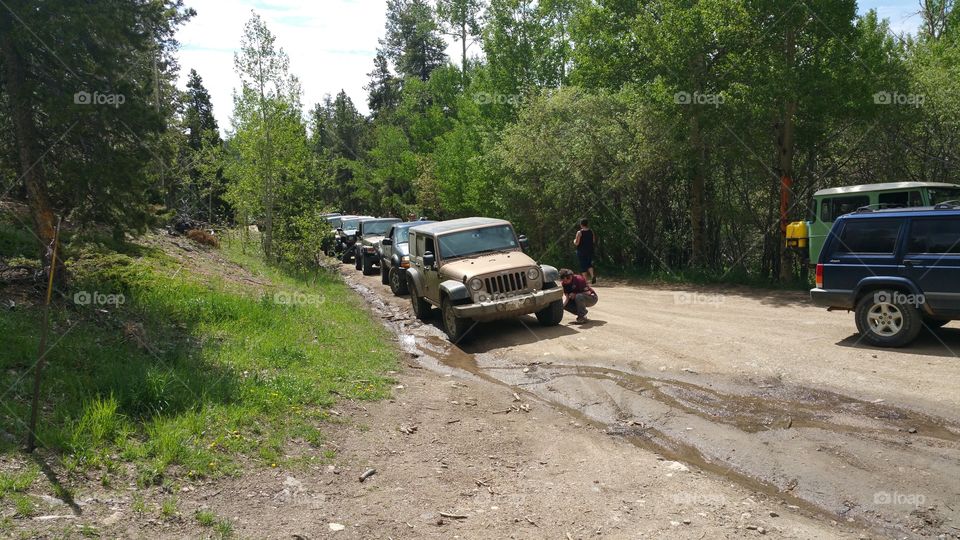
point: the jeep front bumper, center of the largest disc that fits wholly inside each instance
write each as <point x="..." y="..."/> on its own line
<point x="513" y="306"/>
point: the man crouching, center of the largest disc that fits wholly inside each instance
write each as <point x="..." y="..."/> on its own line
<point x="577" y="294"/>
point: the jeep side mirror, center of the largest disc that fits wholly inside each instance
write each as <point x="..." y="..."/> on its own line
<point x="429" y="260"/>
<point x="339" y="229"/>
<point x="524" y="243"/>
<point x="386" y="242"/>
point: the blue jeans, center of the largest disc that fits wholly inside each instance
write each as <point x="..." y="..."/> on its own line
<point x="580" y="304"/>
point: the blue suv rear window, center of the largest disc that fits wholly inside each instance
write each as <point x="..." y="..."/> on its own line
<point x="873" y="236"/>
<point x="935" y="236"/>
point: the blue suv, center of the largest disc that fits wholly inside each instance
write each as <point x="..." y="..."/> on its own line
<point x="899" y="270"/>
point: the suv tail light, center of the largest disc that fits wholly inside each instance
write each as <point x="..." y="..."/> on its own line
<point x="819" y="276"/>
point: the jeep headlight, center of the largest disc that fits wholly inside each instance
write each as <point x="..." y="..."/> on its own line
<point x="533" y="273"/>
<point x="405" y="261"/>
<point x="476" y="284"/>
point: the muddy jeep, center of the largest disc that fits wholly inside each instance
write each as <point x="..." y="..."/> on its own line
<point x="367" y="247"/>
<point x="474" y="270"/>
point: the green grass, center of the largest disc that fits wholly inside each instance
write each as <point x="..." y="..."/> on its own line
<point x="206" y="518"/>
<point x="188" y="373"/>
<point x="169" y="507"/>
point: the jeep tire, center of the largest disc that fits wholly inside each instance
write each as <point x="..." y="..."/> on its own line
<point x="398" y="282"/>
<point x="552" y="314"/>
<point x="884" y="321"/>
<point x="454" y="326"/>
<point x="357" y="259"/>
<point x="421" y="308"/>
<point x="384" y="274"/>
<point x="367" y="265"/>
<point x="346" y="256"/>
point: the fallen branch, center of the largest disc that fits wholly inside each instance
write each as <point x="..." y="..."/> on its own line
<point x="453" y="516"/>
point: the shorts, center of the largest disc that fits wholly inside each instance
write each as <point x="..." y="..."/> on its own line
<point x="586" y="262"/>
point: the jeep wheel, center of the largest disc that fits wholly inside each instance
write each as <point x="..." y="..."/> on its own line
<point x="552" y="314"/>
<point x="397" y="282"/>
<point x="367" y="265"/>
<point x="384" y="274"/>
<point x="421" y="308"/>
<point x="454" y="326"/>
<point x="346" y="256"/>
<point x="358" y="260"/>
<point x="884" y="321"/>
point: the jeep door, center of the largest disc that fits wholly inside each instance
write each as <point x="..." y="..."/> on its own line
<point x="431" y="275"/>
<point x="861" y="248"/>
<point x="932" y="261"/>
<point x="387" y="251"/>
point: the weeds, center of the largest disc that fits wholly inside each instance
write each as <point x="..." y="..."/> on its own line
<point x="215" y="369"/>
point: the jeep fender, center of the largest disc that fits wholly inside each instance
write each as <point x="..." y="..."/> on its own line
<point x="888" y="282"/>
<point x="414" y="278"/>
<point x="454" y="290"/>
<point x="550" y="273"/>
<point x="395" y="261"/>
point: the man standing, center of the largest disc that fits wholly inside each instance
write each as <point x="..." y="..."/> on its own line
<point x="586" y="241"/>
<point x="577" y="295"/>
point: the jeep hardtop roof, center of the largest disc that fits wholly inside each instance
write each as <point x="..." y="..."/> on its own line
<point x="918" y="211"/>
<point x="443" y="227"/>
<point x="408" y="224"/>
<point x="882" y="187"/>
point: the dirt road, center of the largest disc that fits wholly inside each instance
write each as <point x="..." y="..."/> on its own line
<point x="755" y="388"/>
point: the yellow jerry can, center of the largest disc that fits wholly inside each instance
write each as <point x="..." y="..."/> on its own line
<point x="797" y="234"/>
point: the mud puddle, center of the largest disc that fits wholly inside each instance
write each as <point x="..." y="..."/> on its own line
<point x="867" y="464"/>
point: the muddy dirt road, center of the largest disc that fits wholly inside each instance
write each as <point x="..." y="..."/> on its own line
<point x="758" y="388"/>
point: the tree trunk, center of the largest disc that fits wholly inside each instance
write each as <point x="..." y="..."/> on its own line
<point x="785" y="141"/>
<point x="32" y="172"/>
<point x="463" y="44"/>
<point x="697" y="192"/>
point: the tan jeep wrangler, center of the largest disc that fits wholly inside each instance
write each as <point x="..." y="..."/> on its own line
<point x="474" y="270"/>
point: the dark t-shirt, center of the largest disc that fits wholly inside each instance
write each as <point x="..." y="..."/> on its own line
<point x="578" y="285"/>
<point x="585" y="249"/>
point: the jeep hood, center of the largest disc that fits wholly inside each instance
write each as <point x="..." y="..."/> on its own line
<point x="372" y="239"/>
<point x="487" y="263"/>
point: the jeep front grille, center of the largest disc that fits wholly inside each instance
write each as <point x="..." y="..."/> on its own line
<point x="506" y="283"/>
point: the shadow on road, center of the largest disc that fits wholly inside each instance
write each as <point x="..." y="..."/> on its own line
<point x="944" y="342"/>
<point x="486" y="337"/>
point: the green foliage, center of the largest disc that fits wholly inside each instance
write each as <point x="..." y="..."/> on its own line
<point x="189" y="371"/>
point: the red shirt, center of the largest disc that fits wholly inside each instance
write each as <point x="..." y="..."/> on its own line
<point x="578" y="285"/>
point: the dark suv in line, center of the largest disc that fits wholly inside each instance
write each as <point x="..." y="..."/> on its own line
<point x="899" y="270"/>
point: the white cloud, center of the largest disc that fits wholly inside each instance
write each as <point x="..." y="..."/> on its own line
<point x="331" y="45"/>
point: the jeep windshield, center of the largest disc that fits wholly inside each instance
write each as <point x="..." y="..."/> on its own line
<point x="942" y="195"/>
<point x="351" y="224"/>
<point x="477" y="241"/>
<point x="377" y="228"/>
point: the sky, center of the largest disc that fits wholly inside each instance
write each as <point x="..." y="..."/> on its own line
<point x="331" y="43"/>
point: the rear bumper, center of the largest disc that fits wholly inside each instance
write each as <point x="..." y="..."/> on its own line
<point x="509" y="307"/>
<point x="832" y="298"/>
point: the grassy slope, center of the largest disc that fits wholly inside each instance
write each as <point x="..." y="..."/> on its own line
<point x="187" y="375"/>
